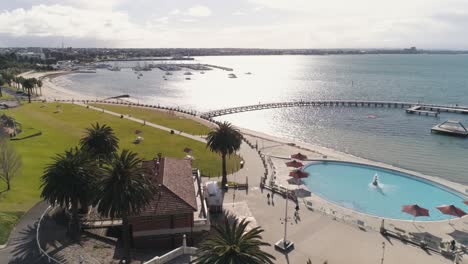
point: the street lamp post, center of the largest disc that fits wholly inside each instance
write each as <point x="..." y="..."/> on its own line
<point x="285" y="245"/>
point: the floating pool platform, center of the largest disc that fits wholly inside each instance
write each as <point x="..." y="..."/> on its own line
<point x="451" y="127"/>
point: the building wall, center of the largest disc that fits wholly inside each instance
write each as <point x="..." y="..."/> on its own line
<point x="148" y="223"/>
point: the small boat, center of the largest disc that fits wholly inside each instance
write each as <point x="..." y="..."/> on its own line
<point x="141" y="74"/>
<point x="202" y="72"/>
<point x="187" y="73"/>
<point x="248" y="73"/>
<point x="168" y="73"/>
<point x="232" y="75"/>
<point x="188" y="78"/>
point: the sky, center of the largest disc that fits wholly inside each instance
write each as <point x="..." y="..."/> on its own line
<point x="427" y="24"/>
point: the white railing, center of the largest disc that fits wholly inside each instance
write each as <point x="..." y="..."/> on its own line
<point x="42" y="251"/>
<point x="180" y="251"/>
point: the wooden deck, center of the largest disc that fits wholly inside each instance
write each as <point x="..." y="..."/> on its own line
<point x="427" y="109"/>
<point x="101" y="223"/>
<point x="417" y="110"/>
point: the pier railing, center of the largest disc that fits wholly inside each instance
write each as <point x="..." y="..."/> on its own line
<point x="330" y="103"/>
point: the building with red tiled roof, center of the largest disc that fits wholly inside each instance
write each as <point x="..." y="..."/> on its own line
<point x="176" y="208"/>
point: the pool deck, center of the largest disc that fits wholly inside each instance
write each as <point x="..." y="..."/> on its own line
<point x="328" y="231"/>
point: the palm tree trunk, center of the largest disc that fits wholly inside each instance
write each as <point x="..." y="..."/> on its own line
<point x="75" y="222"/>
<point x="126" y="238"/>
<point x="29" y="95"/>
<point x="224" y="180"/>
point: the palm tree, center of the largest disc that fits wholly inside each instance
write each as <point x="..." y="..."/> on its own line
<point x="234" y="244"/>
<point x="124" y="190"/>
<point x="29" y="85"/>
<point x="39" y="84"/>
<point x="2" y="82"/>
<point x="69" y="181"/>
<point x="100" y="141"/>
<point x="224" y="140"/>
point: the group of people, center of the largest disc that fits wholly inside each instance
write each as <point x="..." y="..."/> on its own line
<point x="296" y="213"/>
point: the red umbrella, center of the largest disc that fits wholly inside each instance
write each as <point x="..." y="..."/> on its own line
<point x="299" y="156"/>
<point x="294" y="164"/>
<point x="187" y="150"/>
<point x="415" y="210"/>
<point x="451" y="210"/>
<point x="298" y="174"/>
<point x="465" y="202"/>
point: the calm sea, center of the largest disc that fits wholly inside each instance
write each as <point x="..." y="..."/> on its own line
<point x="393" y="136"/>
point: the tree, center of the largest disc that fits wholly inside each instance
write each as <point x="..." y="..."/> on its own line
<point x="69" y="181"/>
<point x="100" y="141"/>
<point x="234" y="244"/>
<point x="124" y="190"/>
<point x="39" y="84"/>
<point x="2" y="82"/>
<point x="10" y="162"/>
<point x="28" y="84"/>
<point x="224" y="140"/>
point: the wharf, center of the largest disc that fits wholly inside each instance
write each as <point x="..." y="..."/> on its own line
<point x="423" y="108"/>
<point x="417" y="110"/>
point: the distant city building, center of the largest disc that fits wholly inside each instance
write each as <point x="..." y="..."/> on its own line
<point x="28" y="55"/>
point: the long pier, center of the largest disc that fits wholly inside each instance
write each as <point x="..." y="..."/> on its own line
<point x="334" y="103"/>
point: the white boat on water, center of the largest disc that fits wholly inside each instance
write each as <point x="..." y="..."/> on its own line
<point x="232" y="75"/>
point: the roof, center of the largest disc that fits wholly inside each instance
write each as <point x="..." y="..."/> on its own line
<point x="176" y="192"/>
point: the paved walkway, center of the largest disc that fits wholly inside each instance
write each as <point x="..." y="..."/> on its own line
<point x="141" y="121"/>
<point x="22" y="246"/>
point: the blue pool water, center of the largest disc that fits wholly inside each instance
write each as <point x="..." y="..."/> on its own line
<point x="349" y="185"/>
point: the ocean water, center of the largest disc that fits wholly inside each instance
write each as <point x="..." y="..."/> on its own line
<point x="393" y="137"/>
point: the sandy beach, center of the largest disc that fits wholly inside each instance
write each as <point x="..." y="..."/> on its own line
<point x="50" y="90"/>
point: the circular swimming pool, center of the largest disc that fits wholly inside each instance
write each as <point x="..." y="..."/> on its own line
<point x="351" y="185"/>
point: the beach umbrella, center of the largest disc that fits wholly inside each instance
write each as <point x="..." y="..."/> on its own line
<point x="415" y="210"/>
<point x="299" y="156"/>
<point x="298" y="174"/>
<point x="187" y="150"/>
<point x="451" y="210"/>
<point x="294" y="164"/>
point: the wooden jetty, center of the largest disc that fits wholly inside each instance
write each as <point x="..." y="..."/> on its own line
<point x="335" y="103"/>
<point x="452" y="128"/>
<point x="417" y="110"/>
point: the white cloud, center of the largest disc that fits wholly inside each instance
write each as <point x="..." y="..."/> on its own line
<point x="174" y="12"/>
<point x="198" y="11"/>
<point x="59" y="20"/>
<point x="279" y="24"/>
<point x="239" y="13"/>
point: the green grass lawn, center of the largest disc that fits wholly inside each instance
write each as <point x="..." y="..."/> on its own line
<point x="63" y="130"/>
<point x="159" y="117"/>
